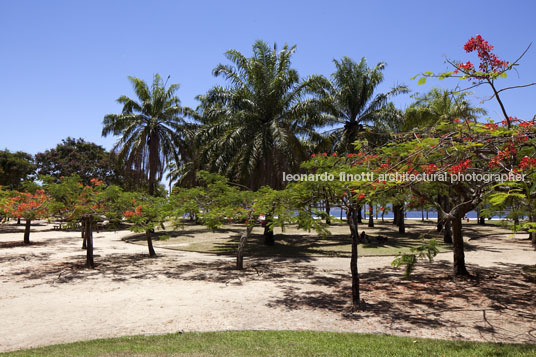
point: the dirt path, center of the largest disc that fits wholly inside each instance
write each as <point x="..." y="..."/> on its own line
<point x="46" y="296"/>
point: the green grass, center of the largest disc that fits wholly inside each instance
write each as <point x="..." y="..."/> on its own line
<point x="295" y="243"/>
<point x="277" y="343"/>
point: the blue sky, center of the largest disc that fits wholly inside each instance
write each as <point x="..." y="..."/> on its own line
<point x="63" y="63"/>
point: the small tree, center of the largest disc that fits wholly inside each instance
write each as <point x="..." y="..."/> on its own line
<point x="30" y="206"/>
<point x="146" y="213"/>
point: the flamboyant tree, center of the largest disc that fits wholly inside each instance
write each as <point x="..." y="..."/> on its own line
<point x="146" y="213"/>
<point x="26" y="205"/>
<point x="78" y="203"/>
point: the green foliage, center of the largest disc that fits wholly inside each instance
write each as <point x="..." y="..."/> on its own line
<point x="151" y="128"/>
<point x="76" y="157"/>
<point x="427" y="250"/>
<point x="15" y="168"/>
<point x="355" y="102"/>
<point x="256" y="126"/>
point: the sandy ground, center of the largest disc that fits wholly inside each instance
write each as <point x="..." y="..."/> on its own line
<point x="47" y="297"/>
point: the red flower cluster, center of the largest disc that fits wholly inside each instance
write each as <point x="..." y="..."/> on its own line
<point x="491" y="126"/>
<point x="461" y="167"/>
<point x="137" y="212"/>
<point x="95" y="182"/>
<point x="494" y="162"/>
<point x="489" y="62"/>
<point x="430" y="168"/>
<point x="527" y="163"/>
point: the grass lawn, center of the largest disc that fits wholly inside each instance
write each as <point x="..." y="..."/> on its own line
<point x="294" y="242"/>
<point x="277" y="343"/>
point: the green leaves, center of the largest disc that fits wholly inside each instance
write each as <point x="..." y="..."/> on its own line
<point x="427" y="250"/>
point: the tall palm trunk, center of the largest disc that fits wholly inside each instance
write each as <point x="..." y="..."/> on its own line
<point x="153" y="162"/>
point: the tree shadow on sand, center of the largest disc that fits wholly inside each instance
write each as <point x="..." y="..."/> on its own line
<point x="430" y="298"/>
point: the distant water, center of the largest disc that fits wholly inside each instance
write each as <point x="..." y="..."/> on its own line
<point x="336" y="212"/>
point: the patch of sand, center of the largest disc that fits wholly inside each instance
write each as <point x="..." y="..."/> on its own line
<point x="47" y="297"/>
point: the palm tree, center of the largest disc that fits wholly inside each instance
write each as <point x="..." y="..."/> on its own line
<point x="151" y="129"/>
<point x="254" y="128"/>
<point x="355" y="105"/>
<point x="440" y="105"/>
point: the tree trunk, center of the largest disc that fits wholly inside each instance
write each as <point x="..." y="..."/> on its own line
<point x="439" y="215"/>
<point x="447" y="233"/>
<point x="422" y="214"/>
<point x="395" y="214"/>
<point x="401" y="222"/>
<point x="88" y="223"/>
<point x="83" y="230"/>
<point x="447" y="229"/>
<point x="328" y="209"/>
<point x="458" y="249"/>
<point x="353" y="224"/>
<point x="18" y="221"/>
<point x="27" y="231"/>
<point x="532" y="235"/>
<point x="268" y="231"/>
<point x="241" y="246"/>
<point x="359" y="215"/>
<point x="153" y="161"/>
<point x="150" y="243"/>
<point x="370" y="217"/>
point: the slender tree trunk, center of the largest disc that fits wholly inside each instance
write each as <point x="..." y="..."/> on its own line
<point x="149" y="237"/>
<point x="383" y="213"/>
<point x="439" y="214"/>
<point x="359" y="215"/>
<point x="370" y="217"/>
<point x="18" y="221"/>
<point x="395" y="214"/>
<point x="427" y="214"/>
<point x="422" y="214"/>
<point x="532" y="235"/>
<point x="268" y="231"/>
<point x="88" y="223"/>
<point x="83" y="230"/>
<point x="241" y="246"/>
<point x="27" y="231"/>
<point x="458" y="249"/>
<point x="447" y="229"/>
<point x="447" y="233"/>
<point x="328" y="209"/>
<point x="351" y="215"/>
<point x="401" y="221"/>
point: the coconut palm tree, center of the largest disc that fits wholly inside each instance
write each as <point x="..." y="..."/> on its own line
<point x="440" y="105"/>
<point x="151" y="128"/>
<point x="355" y="104"/>
<point x="255" y="127"/>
